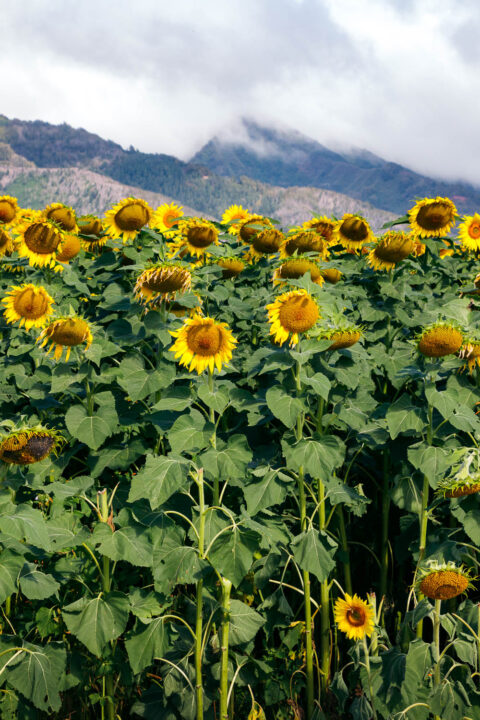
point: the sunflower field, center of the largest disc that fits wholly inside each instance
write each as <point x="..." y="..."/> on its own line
<point x="240" y="465"/>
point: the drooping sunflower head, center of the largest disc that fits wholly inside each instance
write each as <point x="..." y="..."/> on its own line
<point x="203" y="343"/>
<point x="469" y="232"/>
<point x="354" y="617"/>
<point x="9" y="211"/>
<point x="90" y="225"/>
<point x="6" y="243"/>
<point x="294" y="268"/>
<point x="66" y="332"/>
<point x="440" y="339"/>
<point x="39" y="242"/>
<point x="458" y="487"/>
<point x="432" y="217"/>
<point x="303" y="242"/>
<point x="25" y="446"/>
<point x="390" y="249"/>
<point x="470" y="352"/>
<point x="161" y="281"/>
<point x="266" y="242"/>
<point x="442" y="581"/>
<point x="418" y="248"/>
<point x="231" y="267"/>
<point x="63" y="215"/>
<point x="331" y="275"/>
<point x="234" y="216"/>
<point x="252" y="226"/>
<point x="323" y="226"/>
<point x="293" y="313"/>
<point x="126" y="218"/>
<point x="194" y="236"/>
<point x="352" y="231"/>
<point x="28" y="304"/>
<point x="166" y="217"/>
<point x="69" y="247"/>
<point x="342" y="337"/>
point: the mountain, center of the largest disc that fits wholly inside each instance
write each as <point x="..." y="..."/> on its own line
<point x="288" y="158"/>
<point x="40" y="162"/>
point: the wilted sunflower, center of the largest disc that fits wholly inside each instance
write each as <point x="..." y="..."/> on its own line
<point x="166" y="217"/>
<point x="432" y="217"/>
<point x="352" y="231"/>
<point x="66" y="332"/>
<point x="439" y="340"/>
<point x="253" y="225"/>
<point x="69" y="247"/>
<point x="194" y="235"/>
<point x="470" y="351"/>
<point x="331" y="275"/>
<point x="202" y="343"/>
<point x="90" y="225"/>
<point x="63" y="215"/>
<point x="126" y="218"/>
<point x="390" y="249"/>
<point x="231" y="267"/>
<point x="234" y="215"/>
<point x="161" y="281"/>
<point x="9" y="211"/>
<point x="26" y="446"/>
<point x="458" y="487"/>
<point x="342" y="337"/>
<point x="469" y="232"/>
<point x="442" y="581"/>
<point x="29" y="304"/>
<point x="354" y="617"/>
<point x="323" y="226"/>
<point x="265" y="242"/>
<point x="39" y="242"/>
<point x="6" y="243"/>
<point x="294" y="268"/>
<point x="302" y="242"/>
<point x="293" y="312"/>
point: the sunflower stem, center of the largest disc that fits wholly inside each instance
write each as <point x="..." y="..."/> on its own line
<point x="385" y="520"/>
<point x="369" y="675"/>
<point x="106" y="585"/>
<point x="324" y="598"/>
<point x="199" y="599"/>
<point x="346" y="550"/>
<point x="213" y="439"/>
<point x="424" y="513"/>
<point x="226" y="589"/>
<point x="436" y="640"/>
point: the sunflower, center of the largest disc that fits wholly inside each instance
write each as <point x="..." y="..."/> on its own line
<point x="293" y="312"/>
<point x="458" y="487"/>
<point x="469" y="232"/>
<point x="91" y="225"/>
<point x="166" y="217"/>
<point x="203" y="343"/>
<point x="69" y="247"/>
<point x="253" y="225"/>
<point x="66" y="332"/>
<point x="331" y="275"/>
<point x="126" y="218"/>
<point x="390" y="249"/>
<point x="294" y="268"/>
<point x="418" y="248"/>
<point x="194" y="236"/>
<point x="235" y="213"/>
<point x="323" y="226"/>
<point x="6" y="243"/>
<point x="29" y="304"/>
<point x="265" y="242"/>
<point x="439" y="340"/>
<point x="161" y="281"/>
<point x="432" y="217"/>
<point x="39" y="241"/>
<point x="9" y="211"/>
<point x="470" y="351"/>
<point x="442" y="581"/>
<point x="25" y="446"/>
<point x="352" y="231"/>
<point x="354" y="617"/>
<point x="302" y="242"/>
<point x="342" y="337"/>
<point x="231" y="266"/>
<point x="63" y="215"/>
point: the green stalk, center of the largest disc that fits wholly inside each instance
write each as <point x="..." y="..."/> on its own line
<point x="369" y="674"/>
<point x="226" y="589"/>
<point x="106" y="584"/>
<point x="346" y="550"/>
<point x="385" y="519"/>
<point x="213" y="440"/>
<point x="199" y="599"/>
<point x="424" y="512"/>
<point x="324" y="599"/>
<point x="436" y="640"/>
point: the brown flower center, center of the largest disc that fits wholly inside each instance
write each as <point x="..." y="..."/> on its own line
<point x="324" y="229"/>
<point x="354" y="229"/>
<point x="72" y="331"/>
<point x="168" y="280"/>
<point x="65" y="217"/>
<point x="204" y="340"/>
<point x="7" y="211"/>
<point x="296" y="268"/>
<point x="394" y="248"/>
<point x="305" y="242"/>
<point x="298" y="314"/>
<point x="132" y="217"/>
<point x="24" y="450"/>
<point x="331" y="275"/>
<point x="267" y="241"/>
<point x="91" y="227"/>
<point x="356" y="616"/>
<point x="250" y="229"/>
<point x="41" y="239"/>
<point x="201" y="236"/>
<point x="31" y="304"/>
<point x="434" y="216"/>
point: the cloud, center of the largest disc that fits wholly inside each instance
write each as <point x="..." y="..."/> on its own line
<point x="397" y="77"/>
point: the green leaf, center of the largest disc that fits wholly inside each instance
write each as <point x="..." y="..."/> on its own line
<point x="227" y="460"/>
<point x="130" y="543"/>
<point x="144" y="603"/>
<point x="174" y="399"/>
<point x="116" y="457"/>
<point x="10" y="566"/>
<point x="319" y="383"/>
<point x="244" y="623"/>
<point x="314" y="551"/>
<point x="97" y="621"/>
<point x="36" y="674"/>
<point x="158" y="480"/>
<point x="232" y="553"/>
<point x="188" y="433"/>
<point x="216" y="399"/>
<point x="138" y="382"/>
<point x="144" y="646"/>
<point x="319" y="457"/>
<point x="92" y="430"/>
<point x="26" y="523"/>
<point x="283" y="406"/>
<point x="402" y="416"/>
<point x="176" y="565"/>
<point x="36" y="585"/>
<point x="270" y="490"/>
<point x="471" y="524"/>
<point x="431" y="461"/>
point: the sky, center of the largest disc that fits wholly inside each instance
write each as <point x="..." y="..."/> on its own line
<point x="400" y="78"/>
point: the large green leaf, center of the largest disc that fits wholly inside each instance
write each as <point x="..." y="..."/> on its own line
<point x="92" y="430"/>
<point x="189" y="433"/>
<point x="151" y="642"/>
<point x="232" y="552"/>
<point x="36" y="673"/>
<point x="431" y="461"/>
<point x="314" y="551"/>
<point x="131" y="544"/>
<point x="26" y="523"/>
<point x="270" y="490"/>
<point x="158" y="480"/>
<point x="217" y="398"/>
<point x="402" y="417"/>
<point x="36" y="585"/>
<point x="139" y="382"/>
<point x="10" y="566"/>
<point x="319" y="457"/>
<point x="244" y="623"/>
<point x="176" y="565"/>
<point x="285" y="407"/>
<point x="97" y="621"/>
<point x="227" y="459"/>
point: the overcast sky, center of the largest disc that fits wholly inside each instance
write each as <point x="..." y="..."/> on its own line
<point x="398" y="77"/>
